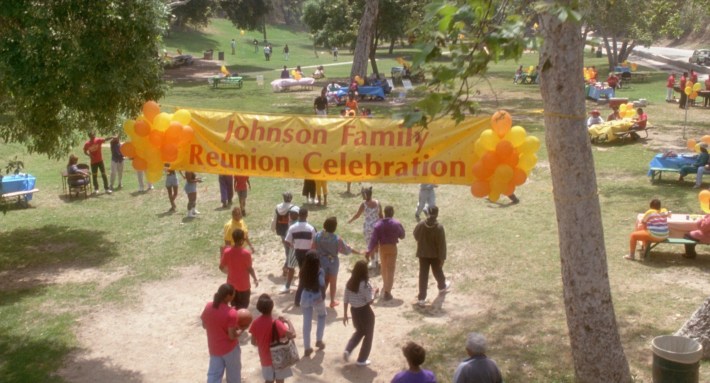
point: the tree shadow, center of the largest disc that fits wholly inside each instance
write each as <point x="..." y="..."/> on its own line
<point x="192" y="41"/>
<point x="672" y="256"/>
<point x="55" y="246"/>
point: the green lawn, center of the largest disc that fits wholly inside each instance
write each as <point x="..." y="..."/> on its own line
<point x="504" y="259"/>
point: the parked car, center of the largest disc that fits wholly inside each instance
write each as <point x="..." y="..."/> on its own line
<point x="700" y="57"/>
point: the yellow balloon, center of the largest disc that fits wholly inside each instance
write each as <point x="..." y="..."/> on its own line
<point x="691" y="143"/>
<point x="530" y="146"/>
<point x="153" y="176"/>
<point x="241" y="32"/>
<point x="704" y="198"/>
<point x="696" y="87"/>
<point x="516" y="136"/>
<point x="478" y="150"/>
<point x="697" y="148"/>
<point x="128" y="128"/>
<point x="182" y="116"/>
<point x="488" y="139"/>
<point x="688" y="90"/>
<point x="527" y="162"/>
<point x="161" y="122"/>
<point x="622" y="108"/>
<point x="502" y="175"/>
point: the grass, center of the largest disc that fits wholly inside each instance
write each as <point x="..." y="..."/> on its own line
<point x="504" y="258"/>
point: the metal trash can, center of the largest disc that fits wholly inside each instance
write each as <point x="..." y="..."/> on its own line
<point x="676" y="359"/>
<point x="208" y="55"/>
<point x="220" y="55"/>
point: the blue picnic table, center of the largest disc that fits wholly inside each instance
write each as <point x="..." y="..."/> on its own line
<point x="661" y="163"/>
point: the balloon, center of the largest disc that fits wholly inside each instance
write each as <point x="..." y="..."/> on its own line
<point x="129" y="127"/>
<point x="688" y="90"/>
<point x="168" y="153"/>
<point x="530" y="145"/>
<point x="479" y="149"/>
<point x="481" y="172"/>
<point x="488" y="139"/>
<point x="172" y="135"/>
<point x="691" y="143"/>
<point x="161" y="122"/>
<point x="480" y="189"/>
<point x="705" y="139"/>
<point x="128" y="149"/>
<point x="142" y="128"/>
<point x="512" y="160"/>
<point x="633" y="67"/>
<point x="182" y="116"/>
<point x="503" y="150"/>
<point x="489" y="162"/>
<point x="697" y="148"/>
<point x="501" y="122"/>
<point x="519" y="177"/>
<point x="630" y="106"/>
<point x="153" y="176"/>
<point x="693" y="95"/>
<point x="622" y="114"/>
<point x="527" y="162"/>
<point x="156" y="138"/>
<point x="502" y="175"/>
<point x="241" y="32"/>
<point x="516" y="136"/>
<point x="150" y="110"/>
<point x="139" y="164"/>
<point x="622" y="108"/>
<point x="704" y="198"/>
<point x="509" y="188"/>
<point x="186" y="136"/>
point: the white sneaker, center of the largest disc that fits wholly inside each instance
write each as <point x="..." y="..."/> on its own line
<point x="96" y="192"/>
<point x="284" y="290"/>
<point x="346" y="355"/>
<point x="446" y="288"/>
<point x="365" y="363"/>
<point x="190" y="214"/>
<point x="421" y="303"/>
<point x="108" y="191"/>
<point x="194" y="211"/>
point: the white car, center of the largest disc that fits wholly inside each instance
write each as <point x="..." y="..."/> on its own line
<point x="700" y="57"/>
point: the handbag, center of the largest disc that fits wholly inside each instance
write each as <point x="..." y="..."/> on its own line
<point x="283" y="351"/>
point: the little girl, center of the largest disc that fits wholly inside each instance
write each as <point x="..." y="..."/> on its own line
<point x="171" y="184"/>
<point x="191" y="181"/>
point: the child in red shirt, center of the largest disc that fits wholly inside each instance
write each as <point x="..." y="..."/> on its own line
<point x="236" y="262"/>
<point x="242" y="186"/>
<point x="261" y="334"/>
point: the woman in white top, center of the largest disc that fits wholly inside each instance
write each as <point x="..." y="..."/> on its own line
<point x="373" y="212"/>
<point x="360" y="294"/>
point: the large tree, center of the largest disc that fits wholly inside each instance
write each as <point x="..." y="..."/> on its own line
<point x="70" y="66"/>
<point x="247" y="14"/>
<point x="365" y="37"/>
<point x="194" y="13"/>
<point x="476" y="32"/>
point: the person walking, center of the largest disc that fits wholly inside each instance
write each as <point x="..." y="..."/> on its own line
<point x="256" y="45"/>
<point x="242" y="185"/>
<point x="236" y="262"/>
<point x="385" y="236"/>
<point x="286" y="52"/>
<point x="373" y="212"/>
<point x="427" y="199"/>
<point x="335" y="53"/>
<point x="116" y="163"/>
<point x="359" y="295"/>
<point x="262" y="330"/>
<point x="237" y="222"/>
<point x="313" y="281"/>
<point x="171" y="185"/>
<point x="478" y="368"/>
<point x="320" y="104"/>
<point x="191" y="181"/>
<point x="234" y="46"/>
<point x="280" y="222"/>
<point x="431" y="251"/>
<point x="327" y="245"/>
<point x="92" y="148"/>
<point x="300" y="238"/>
<point x="670" y="84"/>
<point x="415" y="355"/>
<point x="226" y="191"/>
<point x="220" y="322"/>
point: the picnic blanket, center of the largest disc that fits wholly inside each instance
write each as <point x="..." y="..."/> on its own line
<point x="376" y="92"/>
<point x="604" y="132"/>
<point x="284" y="83"/>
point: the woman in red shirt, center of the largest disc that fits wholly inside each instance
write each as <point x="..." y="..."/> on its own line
<point x="220" y="321"/>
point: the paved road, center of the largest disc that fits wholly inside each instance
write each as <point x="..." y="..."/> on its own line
<point x="671" y="53"/>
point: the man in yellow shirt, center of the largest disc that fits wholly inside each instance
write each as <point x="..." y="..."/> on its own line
<point x="237" y="222"/>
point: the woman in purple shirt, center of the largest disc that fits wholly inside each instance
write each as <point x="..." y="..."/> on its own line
<point x="415" y="355"/>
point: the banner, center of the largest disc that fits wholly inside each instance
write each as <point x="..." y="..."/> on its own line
<point x="330" y="148"/>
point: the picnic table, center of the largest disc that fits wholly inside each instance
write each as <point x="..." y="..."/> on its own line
<point x="662" y="163"/>
<point x="527" y="78"/>
<point x="596" y="93"/>
<point x="679" y="224"/>
<point x="607" y="131"/>
<point x="218" y="81"/>
<point x="622" y="69"/>
<point x="21" y="186"/>
<point x="371" y="92"/>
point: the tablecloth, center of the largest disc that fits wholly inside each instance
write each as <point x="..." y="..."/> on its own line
<point x="364" y="91"/>
<point x="283" y="83"/>
<point x="604" y="132"/>
<point x="21" y="182"/>
<point x="595" y="93"/>
<point x="660" y="162"/>
<point x="679" y="224"/>
<point x="622" y="69"/>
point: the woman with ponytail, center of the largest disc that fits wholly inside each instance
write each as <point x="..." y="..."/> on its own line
<point x="220" y="321"/>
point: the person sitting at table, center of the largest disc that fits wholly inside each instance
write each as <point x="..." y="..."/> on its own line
<point x="284" y="73"/>
<point x="640" y="122"/>
<point x="612" y="80"/>
<point x="593" y="74"/>
<point x="653" y="227"/>
<point x="614" y="114"/>
<point x="518" y="74"/>
<point x="701" y="234"/>
<point x="700" y="162"/>
<point x="299" y="71"/>
<point x="319" y="73"/>
<point x="352" y="103"/>
<point x="77" y="177"/>
<point x="594" y="119"/>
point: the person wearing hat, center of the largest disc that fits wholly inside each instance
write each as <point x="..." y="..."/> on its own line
<point x="699" y="163"/>
<point x="594" y="119"/>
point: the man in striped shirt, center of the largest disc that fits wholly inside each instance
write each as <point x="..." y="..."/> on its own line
<point x="299" y="237"/>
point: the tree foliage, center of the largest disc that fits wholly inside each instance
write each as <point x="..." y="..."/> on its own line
<point x="246" y="14"/>
<point x="70" y="66"/>
<point x="194" y="13"/>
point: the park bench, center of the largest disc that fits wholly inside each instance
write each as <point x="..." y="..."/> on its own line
<point x="217" y="82"/>
<point x="672" y="241"/>
<point x="20" y="195"/>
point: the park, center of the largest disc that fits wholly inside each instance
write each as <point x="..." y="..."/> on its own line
<point x="110" y="286"/>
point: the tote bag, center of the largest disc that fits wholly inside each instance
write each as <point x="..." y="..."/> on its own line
<point x="283" y="351"/>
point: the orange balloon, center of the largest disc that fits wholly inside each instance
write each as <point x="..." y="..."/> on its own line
<point x="156" y="138"/>
<point x="140" y="164"/>
<point x="187" y="135"/>
<point x="142" y="128"/>
<point x="128" y="150"/>
<point x="489" y="162"/>
<point x="480" y="189"/>
<point x="519" y="177"/>
<point x="150" y="110"/>
<point x="503" y="150"/>
<point x="169" y="153"/>
<point x="691" y="143"/>
<point x="501" y="122"/>
<point x="509" y="189"/>
<point x="172" y="135"/>
<point x="480" y="171"/>
<point x="512" y="160"/>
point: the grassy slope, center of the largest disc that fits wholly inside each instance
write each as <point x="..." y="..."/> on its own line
<point x="506" y="259"/>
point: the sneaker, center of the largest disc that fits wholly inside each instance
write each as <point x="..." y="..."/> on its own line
<point x="446" y="288"/>
<point x="365" y="363"/>
<point x="421" y="303"/>
<point x="108" y="191"/>
<point x="629" y="257"/>
<point x="346" y="355"/>
<point x="195" y="211"/>
<point x="96" y="192"/>
<point x="284" y="290"/>
<point x="387" y="296"/>
<point x="308" y="352"/>
<point x="150" y="188"/>
<point x="320" y="345"/>
<point x="190" y="215"/>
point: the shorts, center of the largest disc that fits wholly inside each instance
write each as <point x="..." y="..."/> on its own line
<point x="291" y="261"/>
<point x="241" y="299"/>
<point x="330" y="265"/>
<point x="242" y="194"/>
<point x="269" y="374"/>
<point x="171" y="181"/>
<point x="321" y="187"/>
<point x="190" y="187"/>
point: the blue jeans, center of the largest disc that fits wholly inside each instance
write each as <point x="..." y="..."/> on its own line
<point x="226" y="188"/>
<point x="231" y="361"/>
<point x="319" y="308"/>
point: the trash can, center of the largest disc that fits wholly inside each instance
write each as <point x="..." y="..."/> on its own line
<point x="676" y="359"/>
<point x="220" y="55"/>
<point x="208" y="55"/>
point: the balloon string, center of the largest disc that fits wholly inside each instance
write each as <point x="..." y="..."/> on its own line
<point x="566" y="116"/>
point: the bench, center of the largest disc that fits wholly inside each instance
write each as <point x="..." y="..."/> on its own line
<point x="672" y="241"/>
<point x="21" y="200"/>
<point x="217" y="82"/>
<point x="628" y="133"/>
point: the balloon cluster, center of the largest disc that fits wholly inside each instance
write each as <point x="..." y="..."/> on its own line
<point x="695" y="145"/>
<point x="704" y="198"/>
<point x="504" y="157"/>
<point x="627" y="110"/>
<point x="691" y="90"/>
<point x="156" y="138"/>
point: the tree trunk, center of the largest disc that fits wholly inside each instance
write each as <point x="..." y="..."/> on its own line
<point x="265" y="40"/>
<point x="594" y="339"/>
<point x="609" y="56"/>
<point x="698" y="327"/>
<point x="391" y="50"/>
<point x="373" y="52"/>
<point x="364" y="39"/>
